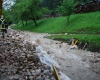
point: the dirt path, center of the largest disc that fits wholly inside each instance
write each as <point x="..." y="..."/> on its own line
<point x="77" y="64"/>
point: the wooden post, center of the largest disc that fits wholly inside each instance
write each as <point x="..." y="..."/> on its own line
<point x="0" y="8"/>
<point x="55" y="73"/>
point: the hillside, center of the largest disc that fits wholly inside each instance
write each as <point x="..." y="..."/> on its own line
<point x="79" y="23"/>
<point x="86" y="28"/>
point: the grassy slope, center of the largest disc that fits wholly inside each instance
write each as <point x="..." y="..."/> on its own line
<point x="51" y="25"/>
<point x="80" y="23"/>
<point x="85" y="23"/>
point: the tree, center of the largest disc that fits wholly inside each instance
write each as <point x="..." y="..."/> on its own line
<point x="6" y="12"/>
<point x="67" y="8"/>
<point x="51" y="4"/>
<point x="45" y="10"/>
<point x="26" y="9"/>
<point x="7" y="16"/>
<point x="24" y="17"/>
<point x="34" y="9"/>
<point x="15" y="11"/>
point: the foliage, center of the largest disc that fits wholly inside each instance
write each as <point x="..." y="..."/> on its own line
<point x="45" y="10"/>
<point x="26" y="10"/>
<point x="15" y="13"/>
<point x="51" y="4"/>
<point x="68" y="7"/>
<point x="7" y="16"/>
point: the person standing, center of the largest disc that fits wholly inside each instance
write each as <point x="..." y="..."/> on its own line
<point x="3" y="26"/>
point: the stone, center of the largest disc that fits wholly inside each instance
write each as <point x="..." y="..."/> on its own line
<point x="37" y="72"/>
<point x="28" y="74"/>
<point x="1" y="43"/>
<point x="18" y="60"/>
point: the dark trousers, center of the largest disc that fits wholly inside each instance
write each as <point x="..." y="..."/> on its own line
<point x="3" y="26"/>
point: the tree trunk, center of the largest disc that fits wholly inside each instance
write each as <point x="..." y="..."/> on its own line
<point x="68" y="17"/>
<point x="34" y="21"/>
<point x="1" y="7"/>
<point x="26" y="23"/>
<point x="33" y="18"/>
<point x="22" y="22"/>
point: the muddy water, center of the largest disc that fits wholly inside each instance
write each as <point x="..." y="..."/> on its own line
<point x="77" y="64"/>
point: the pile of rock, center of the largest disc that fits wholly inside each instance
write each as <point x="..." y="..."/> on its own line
<point x="18" y="60"/>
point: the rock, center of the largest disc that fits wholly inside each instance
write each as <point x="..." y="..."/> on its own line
<point x="28" y="74"/>
<point x="2" y="56"/>
<point x="18" y="61"/>
<point x="1" y="43"/>
<point x="37" y="72"/>
<point x="73" y="47"/>
<point x="31" y="77"/>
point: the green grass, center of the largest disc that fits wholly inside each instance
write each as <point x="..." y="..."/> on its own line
<point x="52" y="25"/>
<point x="79" y="23"/>
<point x="85" y="23"/>
<point x="92" y="40"/>
<point x="82" y="37"/>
